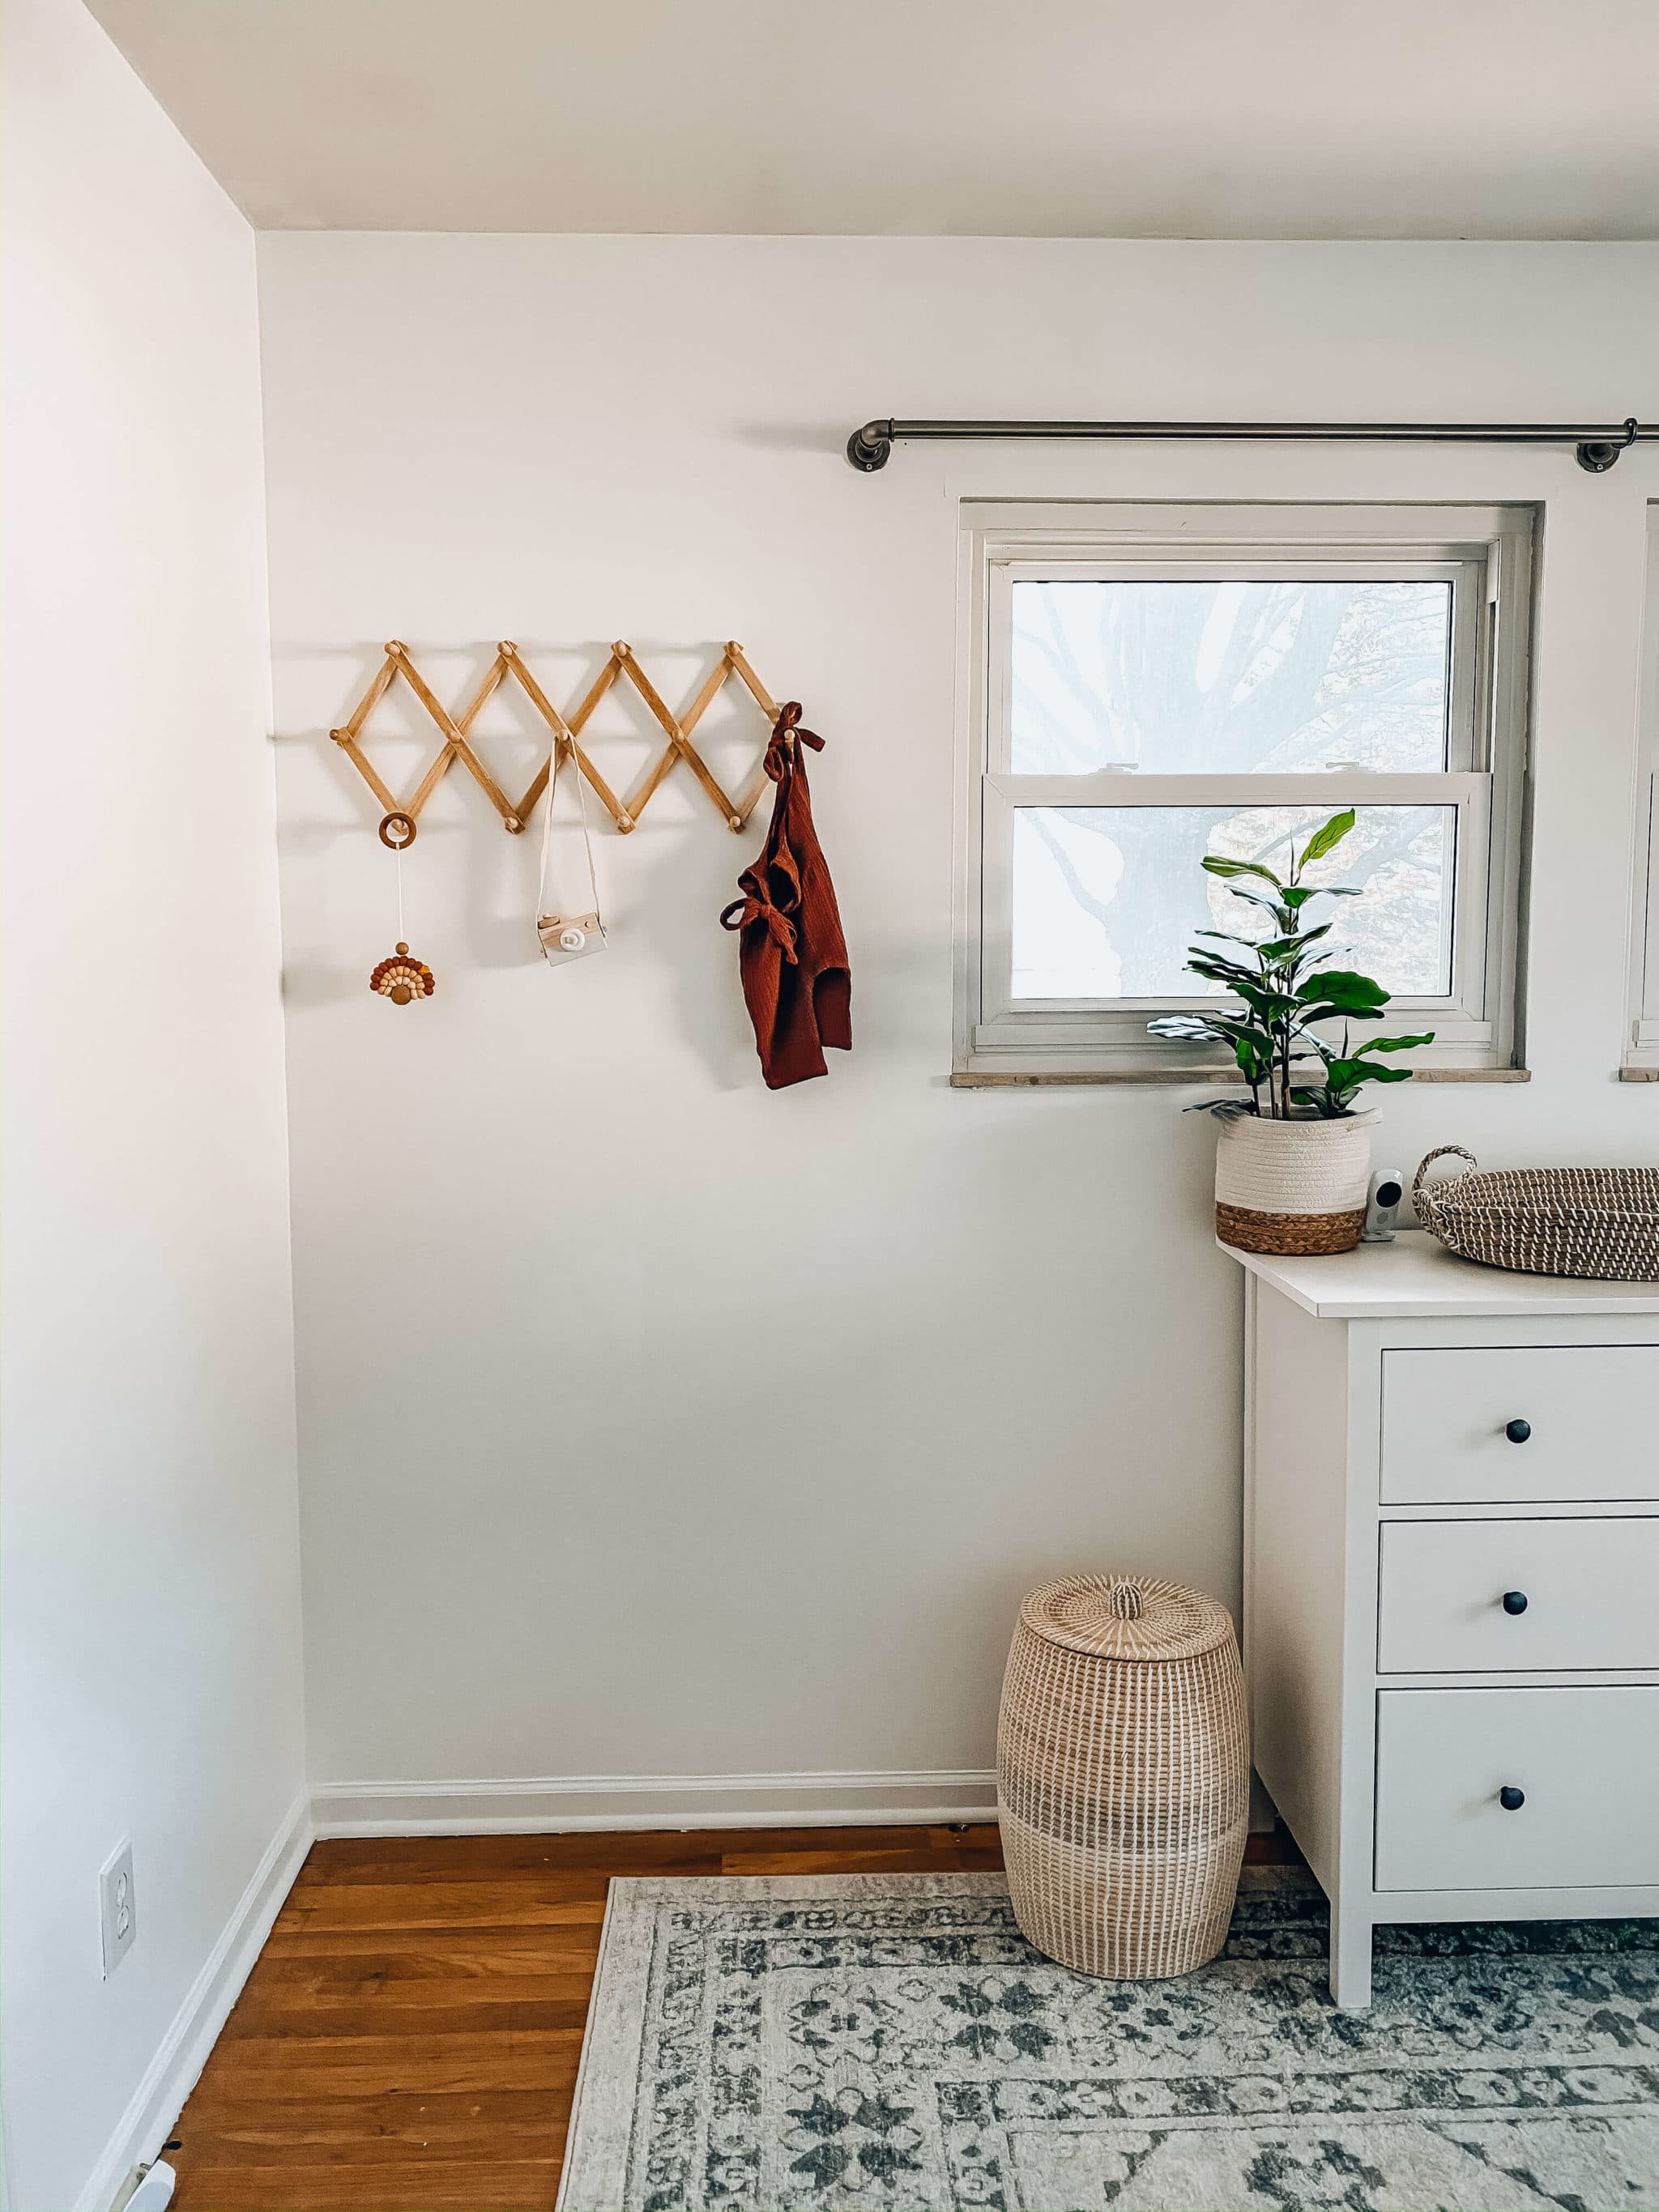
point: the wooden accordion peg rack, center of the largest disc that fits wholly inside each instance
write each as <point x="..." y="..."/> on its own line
<point x="457" y="745"/>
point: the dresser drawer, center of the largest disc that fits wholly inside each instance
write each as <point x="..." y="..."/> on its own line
<point x="1490" y="1595"/>
<point x="1586" y="1762"/>
<point x="1583" y="1415"/>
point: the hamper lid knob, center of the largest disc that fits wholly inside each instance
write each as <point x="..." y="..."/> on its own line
<point x="1127" y="1603"/>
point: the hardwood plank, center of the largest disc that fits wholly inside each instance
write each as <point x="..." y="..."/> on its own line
<point x="531" y="1901"/>
<point x="436" y="2009"/>
<point x="413" y="2054"/>
<point x="576" y="1924"/>
<point x="255" y="2130"/>
<point x="374" y="1964"/>
<point x="452" y="1858"/>
<point x="505" y="2184"/>
<point x="860" y="1862"/>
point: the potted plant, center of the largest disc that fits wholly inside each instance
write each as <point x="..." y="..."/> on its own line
<point x="1293" y="1161"/>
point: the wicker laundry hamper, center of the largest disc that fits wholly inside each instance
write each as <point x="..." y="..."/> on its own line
<point x="1123" y="1774"/>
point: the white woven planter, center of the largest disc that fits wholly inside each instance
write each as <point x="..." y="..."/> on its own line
<point x="1295" y="1186"/>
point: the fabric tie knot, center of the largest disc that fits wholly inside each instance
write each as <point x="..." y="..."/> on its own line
<point x="788" y="728"/>
<point x="755" y="906"/>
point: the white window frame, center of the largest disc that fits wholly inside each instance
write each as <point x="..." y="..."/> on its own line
<point x="1642" y="1052"/>
<point x="1485" y="552"/>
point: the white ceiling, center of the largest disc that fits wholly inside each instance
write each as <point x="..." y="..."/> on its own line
<point x="1221" y="118"/>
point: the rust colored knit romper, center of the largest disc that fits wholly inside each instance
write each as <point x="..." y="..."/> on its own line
<point x="791" y="955"/>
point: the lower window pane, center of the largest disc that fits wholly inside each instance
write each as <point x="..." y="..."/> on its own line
<point x="1106" y="898"/>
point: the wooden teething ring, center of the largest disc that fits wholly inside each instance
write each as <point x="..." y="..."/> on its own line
<point x="404" y="823"/>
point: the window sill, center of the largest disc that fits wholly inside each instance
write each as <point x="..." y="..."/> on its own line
<point x="1632" y="1072"/>
<point x="1201" y="1078"/>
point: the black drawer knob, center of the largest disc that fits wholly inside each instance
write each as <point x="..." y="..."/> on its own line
<point x="1514" y="1601"/>
<point x="1517" y="1431"/>
<point x="1511" y="1799"/>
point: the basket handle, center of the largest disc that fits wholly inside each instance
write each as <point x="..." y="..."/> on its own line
<point x="1420" y="1192"/>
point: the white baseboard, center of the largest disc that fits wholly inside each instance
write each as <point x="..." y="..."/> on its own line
<point x="572" y="1802"/>
<point x="172" y="2073"/>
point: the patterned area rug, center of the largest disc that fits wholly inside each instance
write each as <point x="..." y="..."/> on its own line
<point x="891" y="2041"/>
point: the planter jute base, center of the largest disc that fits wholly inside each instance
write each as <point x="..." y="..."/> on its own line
<point x="1290" y="1234"/>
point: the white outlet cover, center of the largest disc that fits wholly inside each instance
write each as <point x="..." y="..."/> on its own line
<point x="117" y="1906"/>
<point x="155" y="2190"/>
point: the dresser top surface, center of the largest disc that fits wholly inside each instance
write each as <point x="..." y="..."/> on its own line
<point x="1416" y="1278"/>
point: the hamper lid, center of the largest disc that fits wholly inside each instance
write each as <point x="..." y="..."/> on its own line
<point x="1127" y="1616"/>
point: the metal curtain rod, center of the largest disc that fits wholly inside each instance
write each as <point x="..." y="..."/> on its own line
<point x="1597" y="445"/>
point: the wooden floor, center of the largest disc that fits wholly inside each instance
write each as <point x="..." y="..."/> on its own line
<point x="408" y="2041"/>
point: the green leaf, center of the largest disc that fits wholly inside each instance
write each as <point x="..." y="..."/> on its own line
<point x="1216" y="867"/>
<point x="1188" y="1029"/>
<point x="1201" y="1029"/>
<point x="1260" y="898"/>
<point x="1299" y="894"/>
<point x="1214" y="969"/>
<point x="1393" y="1044"/>
<point x="1326" y="840"/>
<point x="1348" y="1075"/>
<point x="1345" y="1074"/>
<point x="1253" y="1054"/>
<point x="1346" y="991"/>
<point x="1280" y="946"/>
<point x="1266" y="1003"/>
<point x="1199" y="957"/>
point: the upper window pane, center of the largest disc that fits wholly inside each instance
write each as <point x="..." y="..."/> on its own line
<point x="1229" y="677"/>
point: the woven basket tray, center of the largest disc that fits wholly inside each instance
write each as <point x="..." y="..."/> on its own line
<point x="1600" y="1222"/>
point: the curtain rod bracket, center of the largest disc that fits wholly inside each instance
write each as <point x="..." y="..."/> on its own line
<point x="1596" y="447"/>
<point x="1599" y="455"/>
<point x="872" y="448"/>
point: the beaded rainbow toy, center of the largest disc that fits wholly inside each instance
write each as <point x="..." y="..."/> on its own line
<point x="402" y="978"/>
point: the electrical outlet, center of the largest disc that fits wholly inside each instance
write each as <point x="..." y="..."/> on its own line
<point x="118" y="1906"/>
<point x="151" y="2189"/>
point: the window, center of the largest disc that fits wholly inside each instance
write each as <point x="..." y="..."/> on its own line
<point x="1642" y="1056"/>
<point x="1149" y="684"/>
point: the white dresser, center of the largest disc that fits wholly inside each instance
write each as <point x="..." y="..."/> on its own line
<point x="1451" y="1587"/>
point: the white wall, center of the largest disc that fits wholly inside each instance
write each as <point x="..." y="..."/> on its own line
<point x="152" y="1672"/>
<point x="652" y="1424"/>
